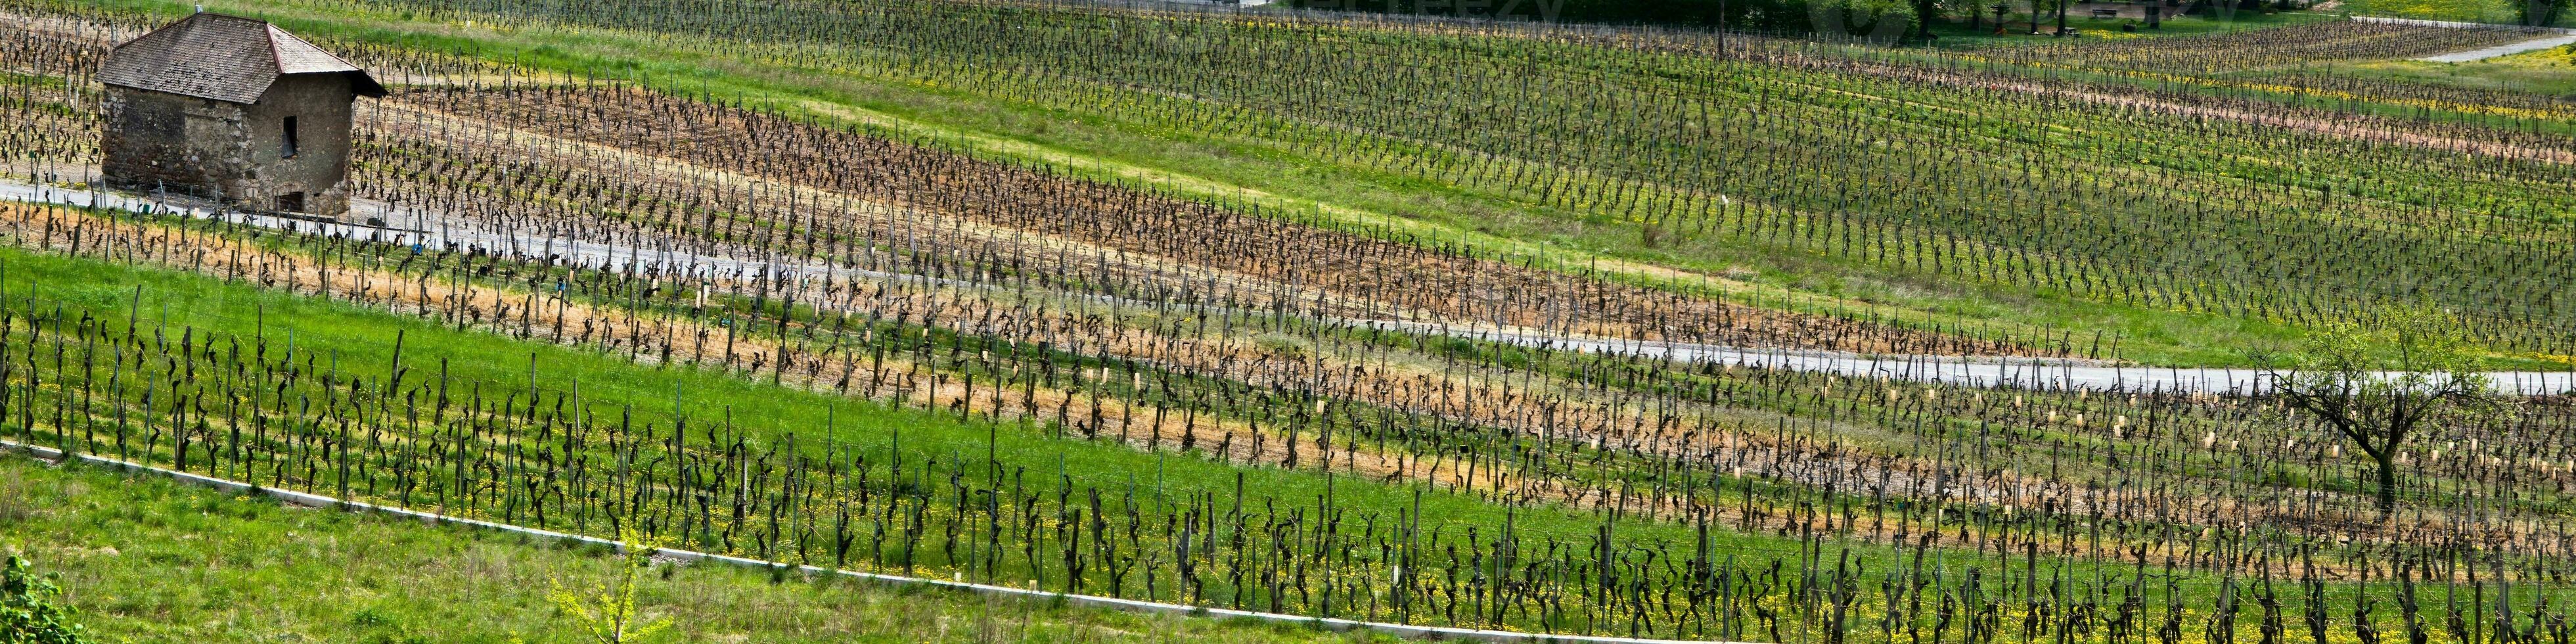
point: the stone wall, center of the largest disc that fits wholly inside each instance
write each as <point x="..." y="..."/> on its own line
<point x="321" y="107"/>
<point x="157" y="141"/>
<point x="236" y="153"/>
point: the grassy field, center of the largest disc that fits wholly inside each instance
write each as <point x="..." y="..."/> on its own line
<point x="2488" y="11"/>
<point x="353" y="340"/>
<point x="1154" y="142"/>
<point x="1956" y="33"/>
<point x="1096" y="300"/>
<point x="2548" y="72"/>
<point x="336" y="338"/>
<point x="148" y="560"/>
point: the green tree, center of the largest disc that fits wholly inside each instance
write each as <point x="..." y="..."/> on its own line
<point x="1927" y="11"/>
<point x="27" y="612"/>
<point x="2380" y="387"/>
<point x="1876" y="21"/>
<point x="2541" y="13"/>
<point x="607" y="611"/>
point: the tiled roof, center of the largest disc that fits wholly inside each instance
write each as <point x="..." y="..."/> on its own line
<point x="225" y="58"/>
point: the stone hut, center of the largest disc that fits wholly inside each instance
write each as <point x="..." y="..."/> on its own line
<point x="234" y="109"/>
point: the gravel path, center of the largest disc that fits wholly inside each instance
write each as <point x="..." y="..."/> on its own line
<point x="2502" y="50"/>
<point x="2034" y="373"/>
<point x="2544" y="38"/>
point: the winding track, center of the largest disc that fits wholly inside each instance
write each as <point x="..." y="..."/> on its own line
<point x="2544" y="38"/>
<point x="1979" y="371"/>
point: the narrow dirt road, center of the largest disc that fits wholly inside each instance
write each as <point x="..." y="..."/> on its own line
<point x="1979" y="371"/>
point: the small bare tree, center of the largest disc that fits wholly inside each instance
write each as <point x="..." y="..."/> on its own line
<point x="2429" y="378"/>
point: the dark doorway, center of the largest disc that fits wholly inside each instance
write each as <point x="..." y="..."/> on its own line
<point x="291" y="202"/>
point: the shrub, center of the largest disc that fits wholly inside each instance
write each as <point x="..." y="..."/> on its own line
<point x="27" y="612"/>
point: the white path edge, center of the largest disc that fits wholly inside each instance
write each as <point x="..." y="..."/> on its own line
<point x="2564" y="36"/>
<point x="1091" y="601"/>
<point x="1969" y="371"/>
<point x="2501" y="50"/>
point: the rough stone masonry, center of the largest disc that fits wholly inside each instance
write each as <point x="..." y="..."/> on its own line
<point x="234" y="109"/>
